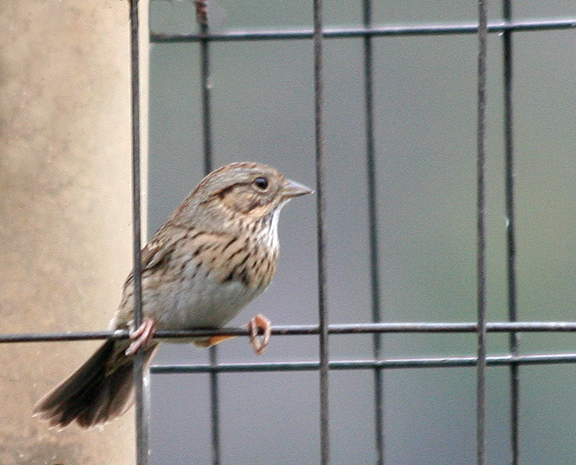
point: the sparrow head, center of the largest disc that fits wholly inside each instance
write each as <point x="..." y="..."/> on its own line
<point x="240" y="191"/>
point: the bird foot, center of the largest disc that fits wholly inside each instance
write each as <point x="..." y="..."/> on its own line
<point x="141" y="336"/>
<point x="258" y="324"/>
<point x="260" y="341"/>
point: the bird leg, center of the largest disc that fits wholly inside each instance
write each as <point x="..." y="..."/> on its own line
<point x="141" y="336"/>
<point x="212" y="341"/>
<point x="256" y="324"/>
<point x="260" y="342"/>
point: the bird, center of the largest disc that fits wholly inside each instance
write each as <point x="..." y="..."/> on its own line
<point x="213" y="255"/>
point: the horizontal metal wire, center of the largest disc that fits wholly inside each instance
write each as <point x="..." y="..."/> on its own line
<point x="417" y="362"/>
<point x="512" y="359"/>
<point x="299" y="330"/>
<point x="374" y="31"/>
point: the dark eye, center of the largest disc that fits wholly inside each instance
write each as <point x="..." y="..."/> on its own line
<point x="261" y="183"/>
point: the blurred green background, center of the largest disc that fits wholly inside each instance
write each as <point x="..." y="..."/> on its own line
<point x="425" y="114"/>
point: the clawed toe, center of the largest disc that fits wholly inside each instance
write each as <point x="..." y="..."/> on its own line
<point x="141" y="336"/>
<point x="260" y="341"/>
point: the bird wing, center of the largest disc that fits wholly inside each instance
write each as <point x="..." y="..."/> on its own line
<point x="157" y="250"/>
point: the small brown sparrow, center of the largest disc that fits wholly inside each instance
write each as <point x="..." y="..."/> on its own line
<point x="213" y="255"/>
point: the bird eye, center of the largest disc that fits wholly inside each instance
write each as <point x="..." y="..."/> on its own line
<point x="261" y="183"/>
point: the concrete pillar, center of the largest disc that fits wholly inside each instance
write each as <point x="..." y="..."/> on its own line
<point x="65" y="214"/>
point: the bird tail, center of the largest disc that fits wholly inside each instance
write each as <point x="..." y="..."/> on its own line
<point x="99" y="391"/>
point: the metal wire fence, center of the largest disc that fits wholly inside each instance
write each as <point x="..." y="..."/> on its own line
<point x="367" y="33"/>
<point x="376" y="328"/>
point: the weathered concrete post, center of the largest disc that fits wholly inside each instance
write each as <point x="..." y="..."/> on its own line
<point x="65" y="212"/>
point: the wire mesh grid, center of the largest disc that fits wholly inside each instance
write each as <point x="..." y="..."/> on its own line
<point x="376" y="328"/>
<point x="367" y="33"/>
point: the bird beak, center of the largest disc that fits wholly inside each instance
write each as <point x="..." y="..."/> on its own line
<point x="295" y="189"/>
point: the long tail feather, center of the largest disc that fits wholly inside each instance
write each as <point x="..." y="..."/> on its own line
<point x="99" y="391"/>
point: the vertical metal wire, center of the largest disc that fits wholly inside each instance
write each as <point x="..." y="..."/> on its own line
<point x="141" y="377"/>
<point x="373" y="231"/>
<point x="481" y="237"/>
<point x="320" y="208"/>
<point x="514" y="340"/>
<point x="206" y="91"/>
<point x="202" y="18"/>
<point x="215" y="407"/>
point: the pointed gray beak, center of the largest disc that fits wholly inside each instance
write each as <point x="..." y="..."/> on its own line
<point x="295" y="189"/>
